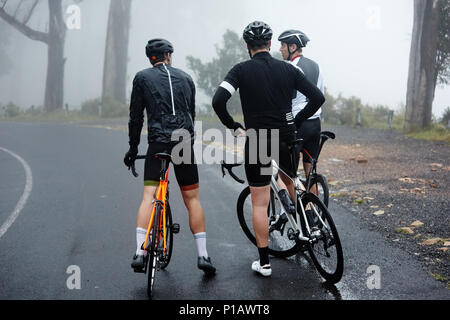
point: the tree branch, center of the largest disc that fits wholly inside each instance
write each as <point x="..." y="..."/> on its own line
<point x="27" y="18"/>
<point x="17" y="9"/>
<point x="23" y="28"/>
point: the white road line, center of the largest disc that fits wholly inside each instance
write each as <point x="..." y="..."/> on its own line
<point x="23" y="199"/>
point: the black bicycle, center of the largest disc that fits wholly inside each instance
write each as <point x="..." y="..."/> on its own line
<point x="311" y="229"/>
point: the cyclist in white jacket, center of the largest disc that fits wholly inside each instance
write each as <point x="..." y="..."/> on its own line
<point x="292" y="44"/>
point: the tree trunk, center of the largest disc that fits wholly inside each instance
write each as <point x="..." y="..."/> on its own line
<point x="54" y="89"/>
<point x="55" y="40"/>
<point x="116" y="52"/>
<point x="422" y="65"/>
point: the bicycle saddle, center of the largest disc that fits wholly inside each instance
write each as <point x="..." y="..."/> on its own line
<point x="328" y="134"/>
<point x="163" y="156"/>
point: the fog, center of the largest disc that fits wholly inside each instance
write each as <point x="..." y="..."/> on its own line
<point x="362" y="53"/>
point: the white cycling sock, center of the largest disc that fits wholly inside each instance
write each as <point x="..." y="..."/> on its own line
<point x="200" y="241"/>
<point x="140" y="239"/>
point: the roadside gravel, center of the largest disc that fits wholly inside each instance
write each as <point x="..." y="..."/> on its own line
<point x="398" y="186"/>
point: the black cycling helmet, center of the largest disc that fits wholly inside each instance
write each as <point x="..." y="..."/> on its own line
<point x="257" y="33"/>
<point x="294" y="37"/>
<point x="158" y="47"/>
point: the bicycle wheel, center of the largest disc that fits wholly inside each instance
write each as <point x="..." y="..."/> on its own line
<point x="169" y="238"/>
<point x="326" y="250"/>
<point x="279" y="244"/>
<point x="153" y="254"/>
<point x="322" y="187"/>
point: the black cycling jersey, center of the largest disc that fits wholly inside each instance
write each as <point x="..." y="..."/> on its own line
<point x="168" y="95"/>
<point x="266" y="87"/>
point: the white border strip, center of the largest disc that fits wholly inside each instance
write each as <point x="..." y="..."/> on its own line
<point x="23" y="199"/>
<point x="227" y="86"/>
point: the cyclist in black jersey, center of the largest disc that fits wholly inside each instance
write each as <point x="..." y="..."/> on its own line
<point x="266" y="87"/>
<point x="168" y="96"/>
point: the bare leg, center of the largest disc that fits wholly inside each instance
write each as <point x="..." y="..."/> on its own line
<point x="307" y="166"/>
<point x="197" y="223"/>
<point x="196" y="215"/>
<point x="145" y="210"/>
<point x="260" y="203"/>
<point x="289" y="185"/>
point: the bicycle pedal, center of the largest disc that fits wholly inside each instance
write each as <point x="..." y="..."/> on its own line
<point x="139" y="270"/>
<point x="175" y="228"/>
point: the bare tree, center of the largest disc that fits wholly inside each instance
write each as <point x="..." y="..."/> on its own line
<point x="423" y="67"/>
<point x="116" y="52"/>
<point x="5" y="41"/>
<point x="54" y="38"/>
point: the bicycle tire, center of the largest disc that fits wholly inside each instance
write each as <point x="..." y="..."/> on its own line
<point x="153" y="254"/>
<point x="169" y="235"/>
<point x="319" y="179"/>
<point x="334" y="273"/>
<point x="247" y="227"/>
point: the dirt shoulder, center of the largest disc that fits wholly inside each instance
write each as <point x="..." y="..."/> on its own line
<point x="399" y="186"/>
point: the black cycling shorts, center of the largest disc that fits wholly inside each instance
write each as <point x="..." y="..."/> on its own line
<point x="253" y="172"/>
<point x="309" y="131"/>
<point x="185" y="173"/>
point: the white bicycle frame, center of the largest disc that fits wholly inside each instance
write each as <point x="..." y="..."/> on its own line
<point x="298" y="186"/>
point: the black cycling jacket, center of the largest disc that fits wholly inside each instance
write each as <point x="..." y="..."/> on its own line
<point x="266" y="87"/>
<point x="153" y="89"/>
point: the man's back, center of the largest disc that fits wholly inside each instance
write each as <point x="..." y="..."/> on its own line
<point x="266" y="86"/>
<point x="168" y="94"/>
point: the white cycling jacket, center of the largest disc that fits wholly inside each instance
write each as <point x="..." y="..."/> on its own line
<point x="313" y="73"/>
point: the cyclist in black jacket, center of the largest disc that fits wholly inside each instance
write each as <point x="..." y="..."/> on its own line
<point x="266" y="87"/>
<point x="168" y="96"/>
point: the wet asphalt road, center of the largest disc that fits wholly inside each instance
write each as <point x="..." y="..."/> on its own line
<point x="82" y="211"/>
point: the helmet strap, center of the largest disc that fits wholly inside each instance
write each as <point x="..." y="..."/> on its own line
<point x="290" y="53"/>
<point x="249" y="52"/>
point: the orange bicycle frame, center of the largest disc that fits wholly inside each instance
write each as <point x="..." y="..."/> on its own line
<point x="160" y="196"/>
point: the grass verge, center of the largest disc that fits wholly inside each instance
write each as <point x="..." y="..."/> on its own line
<point x="433" y="134"/>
